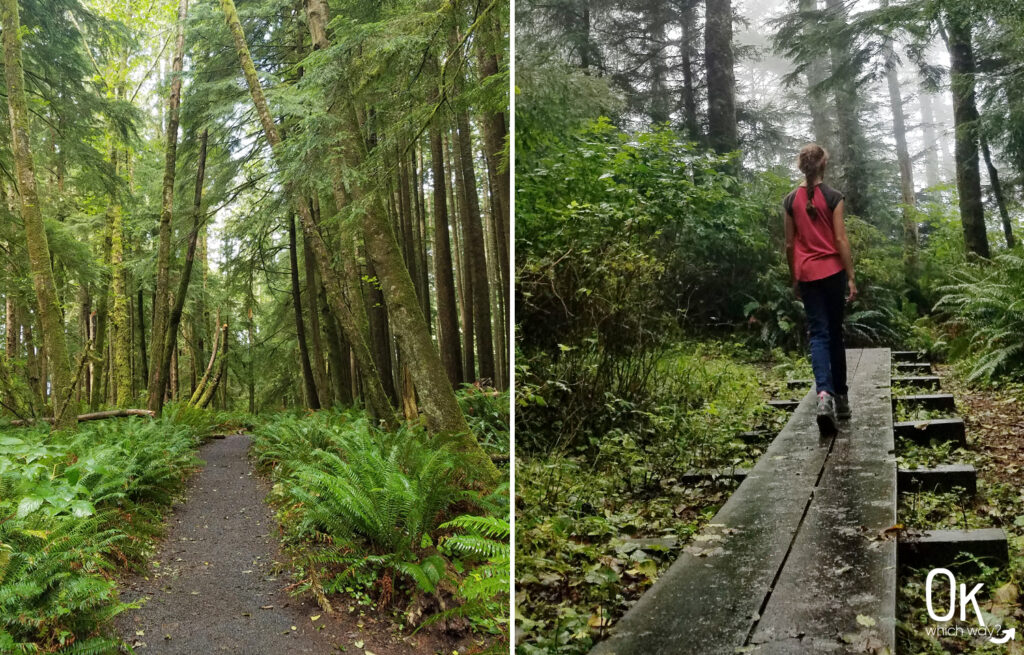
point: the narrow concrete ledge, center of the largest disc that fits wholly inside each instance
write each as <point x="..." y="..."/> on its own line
<point x="914" y="368"/>
<point x="918" y="381"/>
<point x="799" y="384"/>
<point x="907" y="356"/>
<point x="787" y="405"/>
<point x="944" y="477"/>
<point x="933" y="401"/>
<point x="939" y="429"/>
<point x="702" y="475"/>
<point x="935" y="548"/>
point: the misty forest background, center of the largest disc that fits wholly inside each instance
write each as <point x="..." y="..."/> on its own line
<point x="283" y="216"/>
<point x="654" y="144"/>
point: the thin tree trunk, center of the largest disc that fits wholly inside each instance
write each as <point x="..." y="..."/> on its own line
<point x="447" y="311"/>
<point x="323" y="385"/>
<point x="464" y="283"/>
<point x="158" y="379"/>
<point x="718" y="59"/>
<point x="120" y="334"/>
<point x="688" y="28"/>
<point x="376" y="398"/>
<point x="821" y="119"/>
<point x="910" y="236"/>
<point x="141" y="328"/>
<point x="965" y="116"/>
<point x="848" y="103"/>
<point x="475" y="254"/>
<point x="997" y="192"/>
<point x="931" y="155"/>
<point x="52" y="322"/>
<point x="309" y="383"/>
<point x="174" y="319"/>
<point x="337" y="354"/>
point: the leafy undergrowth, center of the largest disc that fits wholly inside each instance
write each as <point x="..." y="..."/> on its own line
<point x="75" y="507"/>
<point x="995" y="433"/>
<point x="388" y="520"/>
<point x="595" y="529"/>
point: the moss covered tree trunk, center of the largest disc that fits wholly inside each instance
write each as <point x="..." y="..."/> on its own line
<point x="120" y="331"/>
<point x="376" y="400"/>
<point x="158" y="373"/>
<point x="437" y="399"/>
<point x="50" y="318"/>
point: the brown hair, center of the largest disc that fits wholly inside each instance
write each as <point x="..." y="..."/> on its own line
<point x="812" y="161"/>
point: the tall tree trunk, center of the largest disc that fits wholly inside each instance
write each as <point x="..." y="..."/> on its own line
<point x="323" y="385"/>
<point x="848" y="103"/>
<point x="447" y="312"/>
<point x="997" y="192"/>
<point x="120" y="333"/>
<point x="100" y="342"/>
<point x="494" y="134"/>
<point x="141" y="328"/>
<point x="463" y="279"/>
<point x="965" y="117"/>
<point x="931" y="145"/>
<point x="476" y="258"/>
<point x="817" y="101"/>
<point x="158" y="373"/>
<point x="337" y="353"/>
<point x="437" y="398"/>
<point x="910" y="236"/>
<point x="376" y="398"/>
<point x="687" y="38"/>
<point x="721" y="78"/>
<point x="174" y="319"/>
<point x="312" y="398"/>
<point x="54" y="340"/>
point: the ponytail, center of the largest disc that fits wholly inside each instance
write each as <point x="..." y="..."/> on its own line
<point x="812" y="161"/>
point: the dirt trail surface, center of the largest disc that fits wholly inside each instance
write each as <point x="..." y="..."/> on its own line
<point x="212" y="586"/>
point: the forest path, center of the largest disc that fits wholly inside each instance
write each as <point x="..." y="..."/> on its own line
<point x="212" y="586"/>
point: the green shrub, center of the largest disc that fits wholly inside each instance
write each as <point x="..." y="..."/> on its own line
<point x="77" y="506"/>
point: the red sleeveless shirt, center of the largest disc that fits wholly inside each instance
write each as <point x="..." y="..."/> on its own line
<point x="815" y="255"/>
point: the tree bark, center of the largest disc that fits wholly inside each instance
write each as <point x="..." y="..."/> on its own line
<point x="323" y="386"/>
<point x="718" y="58"/>
<point x="120" y="334"/>
<point x="158" y="373"/>
<point x="376" y="398"/>
<point x="851" y="140"/>
<point x="997" y="192"/>
<point x="687" y="37"/>
<point x="821" y="118"/>
<point x="463" y="281"/>
<point x="965" y="117"/>
<point x="476" y="258"/>
<point x="910" y="236"/>
<point x="51" y="321"/>
<point x="309" y="383"/>
<point x="174" y="319"/>
<point x="931" y="155"/>
<point x="447" y="312"/>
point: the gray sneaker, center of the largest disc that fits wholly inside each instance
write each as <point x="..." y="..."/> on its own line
<point x="827" y="422"/>
<point x="843" y="412"/>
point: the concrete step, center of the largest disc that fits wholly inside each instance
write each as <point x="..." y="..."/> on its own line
<point x="914" y="368"/>
<point x="943" y="477"/>
<point x="938" y="429"/>
<point x="786" y="405"/>
<point x="917" y="381"/>
<point x="931" y="401"/>
<point x="943" y="548"/>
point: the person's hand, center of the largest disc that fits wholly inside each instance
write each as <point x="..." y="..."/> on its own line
<point x="796" y="290"/>
<point x="853" y="291"/>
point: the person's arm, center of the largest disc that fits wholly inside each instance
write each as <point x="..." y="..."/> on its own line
<point x="790" y="249"/>
<point x="843" y="246"/>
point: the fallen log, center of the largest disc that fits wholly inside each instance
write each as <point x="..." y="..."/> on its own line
<point x="93" y="416"/>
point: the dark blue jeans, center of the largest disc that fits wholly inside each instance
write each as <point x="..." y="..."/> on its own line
<point x="824" y="302"/>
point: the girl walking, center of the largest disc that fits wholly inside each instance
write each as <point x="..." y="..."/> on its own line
<point x="821" y="267"/>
